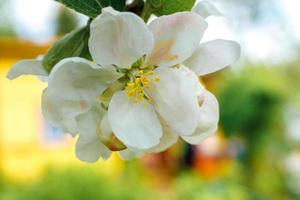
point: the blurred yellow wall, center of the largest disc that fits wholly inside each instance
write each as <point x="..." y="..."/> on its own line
<point x="26" y="143"/>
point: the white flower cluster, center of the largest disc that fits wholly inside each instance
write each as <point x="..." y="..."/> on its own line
<point x="142" y="91"/>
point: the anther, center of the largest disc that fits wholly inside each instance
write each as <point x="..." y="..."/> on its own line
<point x="157" y="79"/>
<point x="145" y="80"/>
<point x="151" y="72"/>
<point x="130" y="84"/>
<point x="132" y="92"/>
<point x="137" y="80"/>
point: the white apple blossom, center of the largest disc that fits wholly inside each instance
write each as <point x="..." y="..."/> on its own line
<point x="143" y="91"/>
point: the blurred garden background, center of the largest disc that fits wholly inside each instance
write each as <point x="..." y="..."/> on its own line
<point x="254" y="156"/>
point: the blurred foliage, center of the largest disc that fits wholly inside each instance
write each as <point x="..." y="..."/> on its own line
<point x="192" y="187"/>
<point x="78" y="184"/>
<point x="251" y="108"/>
<point x="6" y="27"/>
<point x="83" y="184"/>
<point x="292" y="73"/>
<point x="251" y="100"/>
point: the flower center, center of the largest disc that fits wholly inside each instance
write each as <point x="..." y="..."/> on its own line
<point x="140" y="81"/>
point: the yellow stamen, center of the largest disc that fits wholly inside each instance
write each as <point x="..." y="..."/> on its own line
<point x="130" y="84"/>
<point x="145" y="80"/>
<point x="151" y="72"/>
<point x="132" y="92"/>
<point x="136" y="88"/>
<point x="137" y="81"/>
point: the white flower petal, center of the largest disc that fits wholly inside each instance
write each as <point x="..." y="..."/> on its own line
<point x="89" y="147"/>
<point x="25" y="67"/>
<point x="176" y="38"/>
<point x="206" y="9"/>
<point x="135" y="124"/>
<point x="119" y="38"/>
<point x="79" y="79"/>
<point x="61" y="113"/>
<point x="197" y="138"/>
<point x="175" y="98"/>
<point x="89" y="122"/>
<point x="109" y="11"/>
<point x="213" y="56"/>
<point x="74" y="84"/>
<point x="107" y="136"/>
<point x="91" y="151"/>
<point x="209" y="112"/>
<point x="209" y="117"/>
<point x="168" y="139"/>
<point x="129" y="154"/>
<point x="106" y="131"/>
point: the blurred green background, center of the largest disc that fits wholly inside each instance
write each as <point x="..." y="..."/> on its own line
<point x="254" y="156"/>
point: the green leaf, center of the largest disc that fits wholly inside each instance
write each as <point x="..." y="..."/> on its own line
<point x="116" y="4"/>
<point x="74" y="44"/>
<point x="167" y="7"/>
<point x="92" y="8"/>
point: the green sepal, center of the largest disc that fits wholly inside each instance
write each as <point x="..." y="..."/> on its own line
<point x="73" y="44"/>
<point x="167" y="7"/>
<point x="92" y="8"/>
